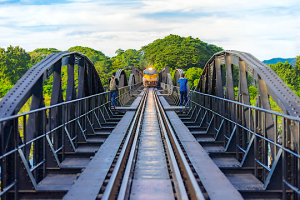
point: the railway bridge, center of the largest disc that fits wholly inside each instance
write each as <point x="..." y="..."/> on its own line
<point x="74" y="146"/>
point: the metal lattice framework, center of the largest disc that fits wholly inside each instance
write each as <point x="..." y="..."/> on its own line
<point x="268" y="82"/>
<point x="165" y="76"/>
<point x="136" y="76"/>
<point x="121" y="76"/>
<point x="34" y="142"/>
<point x="261" y="140"/>
<point x="254" y="134"/>
<point x="31" y="84"/>
<point x="177" y="76"/>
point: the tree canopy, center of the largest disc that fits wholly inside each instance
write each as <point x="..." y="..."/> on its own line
<point x="39" y="54"/>
<point x="178" y="52"/>
<point x="14" y="62"/>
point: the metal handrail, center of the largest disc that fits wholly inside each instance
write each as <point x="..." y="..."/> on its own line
<point x="249" y="106"/>
<point x="249" y="130"/>
<point x="56" y="105"/>
<point x="256" y="128"/>
<point x="89" y="104"/>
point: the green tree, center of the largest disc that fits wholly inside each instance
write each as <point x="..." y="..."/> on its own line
<point x="92" y="54"/>
<point x="14" y="62"/>
<point x="101" y="62"/>
<point x="178" y="52"/>
<point x="39" y="54"/>
<point x="193" y="74"/>
<point x="125" y="59"/>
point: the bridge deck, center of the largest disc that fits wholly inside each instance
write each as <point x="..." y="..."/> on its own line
<point x="217" y="173"/>
<point x="209" y="174"/>
<point x="151" y="179"/>
<point x="88" y="185"/>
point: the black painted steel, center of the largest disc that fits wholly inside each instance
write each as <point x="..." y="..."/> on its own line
<point x="48" y="140"/>
<point x="265" y="143"/>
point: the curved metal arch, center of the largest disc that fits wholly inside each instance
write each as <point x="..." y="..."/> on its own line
<point x="165" y="76"/>
<point x="121" y="76"/>
<point x="177" y="76"/>
<point x="31" y="83"/>
<point x="269" y="83"/>
<point x="136" y="76"/>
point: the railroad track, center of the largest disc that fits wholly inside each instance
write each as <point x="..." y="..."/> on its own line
<point x="151" y="162"/>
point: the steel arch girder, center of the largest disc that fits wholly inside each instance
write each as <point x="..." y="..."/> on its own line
<point x="285" y="98"/>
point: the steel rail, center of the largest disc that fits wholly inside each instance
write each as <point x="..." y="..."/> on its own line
<point x="179" y="184"/>
<point x="126" y="182"/>
<point x="191" y="182"/>
<point x="109" y="192"/>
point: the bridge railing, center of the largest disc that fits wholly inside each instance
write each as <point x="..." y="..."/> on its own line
<point x="173" y="91"/>
<point x="276" y="163"/>
<point x="124" y="93"/>
<point x="58" y="130"/>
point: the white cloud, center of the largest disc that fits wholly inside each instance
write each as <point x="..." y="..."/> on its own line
<point x="265" y="29"/>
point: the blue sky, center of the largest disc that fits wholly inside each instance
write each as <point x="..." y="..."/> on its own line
<point x="266" y="29"/>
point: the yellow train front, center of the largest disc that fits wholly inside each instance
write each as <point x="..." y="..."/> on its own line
<point x="150" y="77"/>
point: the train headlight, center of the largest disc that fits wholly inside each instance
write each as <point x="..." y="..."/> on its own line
<point x="150" y="68"/>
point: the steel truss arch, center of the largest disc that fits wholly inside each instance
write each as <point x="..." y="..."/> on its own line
<point x="136" y="76"/>
<point x="177" y="76"/>
<point x="268" y="81"/>
<point x="215" y="98"/>
<point x="165" y="76"/>
<point x="31" y="83"/>
<point x="121" y="76"/>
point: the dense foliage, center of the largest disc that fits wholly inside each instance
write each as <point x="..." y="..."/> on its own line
<point x="289" y="74"/>
<point x="178" y="52"/>
<point x="14" y="62"/>
<point x="174" y="51"/>
<point x="39" y="54"/>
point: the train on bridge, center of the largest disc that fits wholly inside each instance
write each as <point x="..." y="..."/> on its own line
<point x="150" y="77"/>
<point x="148" y="147"/>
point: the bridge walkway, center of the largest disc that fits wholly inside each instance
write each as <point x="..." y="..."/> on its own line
<point x="151" y="179"/>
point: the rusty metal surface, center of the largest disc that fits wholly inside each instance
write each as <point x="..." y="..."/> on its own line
<point x="151" y="177"/>
<point x="91" y="179"/>
<point x="208" y="172"/>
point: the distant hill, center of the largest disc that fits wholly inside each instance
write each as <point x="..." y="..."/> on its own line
<point x="292" y="61"/>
